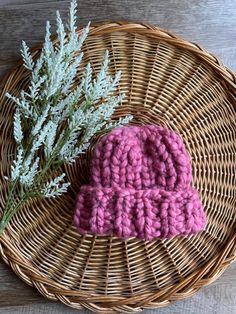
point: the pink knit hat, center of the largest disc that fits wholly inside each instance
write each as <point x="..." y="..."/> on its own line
<point x="140" y="187"/>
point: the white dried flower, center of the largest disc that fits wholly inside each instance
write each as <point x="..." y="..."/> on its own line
<point x="17" y="128"/>
<point x="17" y="165"/>
<point x="55" y="187"/>
<point x="28" y="176"/>
<point x="35" y="88"/>
<point x="41" y="119"/>
<point x="28" y="61"/>
<point x="22" y="104"/>
<point x="40" y="137"/>
<point x="54" y="121"/>
<point x="50" y="138"/>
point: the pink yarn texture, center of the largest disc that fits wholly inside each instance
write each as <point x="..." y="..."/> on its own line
<point x="140" y="187"/>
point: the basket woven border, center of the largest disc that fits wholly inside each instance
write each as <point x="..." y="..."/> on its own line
<point x="189" y="286"/>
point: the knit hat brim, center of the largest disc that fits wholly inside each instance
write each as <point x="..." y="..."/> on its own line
<point x="144" y="214"/>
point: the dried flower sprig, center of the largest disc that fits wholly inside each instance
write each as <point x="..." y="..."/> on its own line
<point x="55" y="121"/>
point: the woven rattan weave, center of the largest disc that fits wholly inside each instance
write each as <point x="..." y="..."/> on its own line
<point x="167" y="81"/>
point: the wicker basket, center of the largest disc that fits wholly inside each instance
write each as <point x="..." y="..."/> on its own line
<point x="167" y="81"/>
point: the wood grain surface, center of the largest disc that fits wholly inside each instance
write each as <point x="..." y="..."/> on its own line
<point x="210" y="23"/>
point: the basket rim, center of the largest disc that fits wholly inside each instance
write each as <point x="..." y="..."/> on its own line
<point x="207" y="274"/>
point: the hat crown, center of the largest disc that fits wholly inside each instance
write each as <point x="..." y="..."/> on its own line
<point x="141" y="158"/>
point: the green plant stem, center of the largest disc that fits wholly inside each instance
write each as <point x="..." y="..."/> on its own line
<point x="8" y="214"/>
<point x="10" y="209"/>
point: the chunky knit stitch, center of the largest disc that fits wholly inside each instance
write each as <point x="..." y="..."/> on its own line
<point x="140" y="187"/>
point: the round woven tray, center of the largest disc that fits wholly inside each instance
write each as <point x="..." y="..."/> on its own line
<point x="167" y="81"/>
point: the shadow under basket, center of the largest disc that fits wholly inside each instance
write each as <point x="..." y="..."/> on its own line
<point x="167" y="81"/>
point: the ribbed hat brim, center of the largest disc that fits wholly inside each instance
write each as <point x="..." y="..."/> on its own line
<point x="144" y="214"/>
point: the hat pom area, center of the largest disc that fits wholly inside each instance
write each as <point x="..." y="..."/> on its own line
<point x="140" y="187"/>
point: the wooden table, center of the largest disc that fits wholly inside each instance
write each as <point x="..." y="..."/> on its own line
<point x="211" y="23"/>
